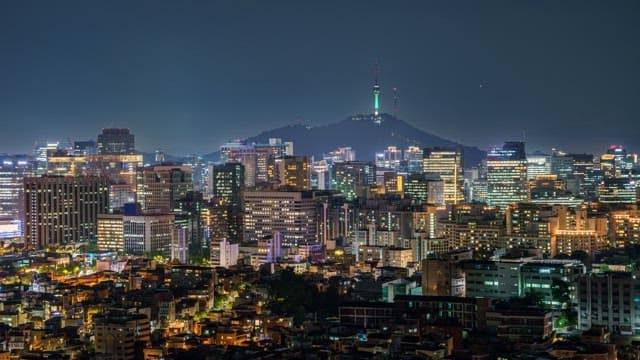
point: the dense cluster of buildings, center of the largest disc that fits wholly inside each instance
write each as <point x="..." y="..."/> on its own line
<point x="105" y="256"/>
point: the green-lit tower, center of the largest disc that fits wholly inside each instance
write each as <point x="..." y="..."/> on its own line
<point x="376" y="95"/>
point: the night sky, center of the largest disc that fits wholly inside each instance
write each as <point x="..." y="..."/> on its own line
<point x="186" y="76"/>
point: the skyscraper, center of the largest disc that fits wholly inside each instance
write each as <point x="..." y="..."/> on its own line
<point x="62" y="210"/>
<point x="228" y="181"/>
<point x="447" y="163"/>
<point x="244" y="154"/>
<point x="507" y="174"/>
<point x="538" y="164"/>
<point x="161" y="186"/>
<point x="389" y="159"/>
<point x="150" y="233"/>
<point x="42" y="152"/>
<point x="352" y="177"/>
<point x="294" y="172"/>
<point x="13" y="169"/>
<point x="116" y="141"/>
<point x="292" y="213"/>
<point x="413" y="156"/>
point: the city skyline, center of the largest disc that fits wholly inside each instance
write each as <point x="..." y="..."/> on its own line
<point x="187" y="79"/>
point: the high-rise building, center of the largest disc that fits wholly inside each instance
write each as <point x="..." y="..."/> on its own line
<point x="561" y="164"/>
<point x="42" y="152"/>
<point x="292" y="213"/>
<point x="447" y="163"/>
<point x="583" y="167"/>
<point x="608" y="300"/>
<point x="228" y="182"/>
<point x="62" y="210"/>
<point x="221" y="221"/>
<point x="110" y="232"/>
<point x="294" y="172"/>
<point x="616" y="162"/>
<point x="223" y="253"/>
<point x="266" y="155"/>
<point x="13" y="170"/>
<point x="320" y="175"/>
<point x="624" y="228"/>
<point x="393" y="182"/>
<point x="198" y="172"/>
<point x="507" y="174"/>
<point x="161" y="186"/>
<point x="618" y="190"/>
<point x="120" y="169"/>
<point x="116" y="141"/>
<point x="538" y="164"/>
<point x="83" y="148"/>
<point x="149" y="233"/>
<point x="246" y="155"/>
<point x="351" y="178"/>
<point x="343" y="154"/>
<point x="548" y="187"/>
<point x="416" y="187"/>
<point x="389" y="159"/>
<point x="413" y="156"/>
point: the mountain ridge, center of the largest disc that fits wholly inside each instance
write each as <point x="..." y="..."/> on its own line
<point x="362" y="134"/>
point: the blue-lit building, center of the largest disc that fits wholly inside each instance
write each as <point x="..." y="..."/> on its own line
<point x="13" y="169"/>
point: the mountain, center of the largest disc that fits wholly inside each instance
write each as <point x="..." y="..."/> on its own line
<point x="362" y="134"/>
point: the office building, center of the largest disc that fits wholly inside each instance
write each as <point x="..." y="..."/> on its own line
<point x="624" y="228"/>
<point x="245" y="155"/>
<point x="561" y="164"/>
<point x="63" y="210"/>
<point x="116" y="141"/>
<point x="413" y="156"/>
<point x="266" y="154"/>
<point x="507" y="175"/>
<point x="442" y="275"/>
<point x="446" y="163"/>
<point x="294" y="172"/>
<point x="343" y="154"/>
<point x="13" y="170"/>
<point x="320" y="175"/>
<point x="416" y="188"/>
<point x="609" y="300"/>
<point x="110" y="232"/>
<point x="84" y="148"/>
<point x="352" y="178"/>
<point x="389" y="159"/>
<point x="149" y="234"/>
<point x="41" y="153"/>
<point x="161" y="186"/>
<point x="292" y="213"/>
<point x="228" y="182"/>
<point x="618" y="190"/>
<point x="223" y="253"/>
<point x="538" y="164"/>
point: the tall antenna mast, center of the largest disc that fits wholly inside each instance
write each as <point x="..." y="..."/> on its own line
<point x="395" y="101"/>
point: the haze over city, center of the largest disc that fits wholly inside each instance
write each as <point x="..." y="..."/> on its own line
<point x="188" y="76"/>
